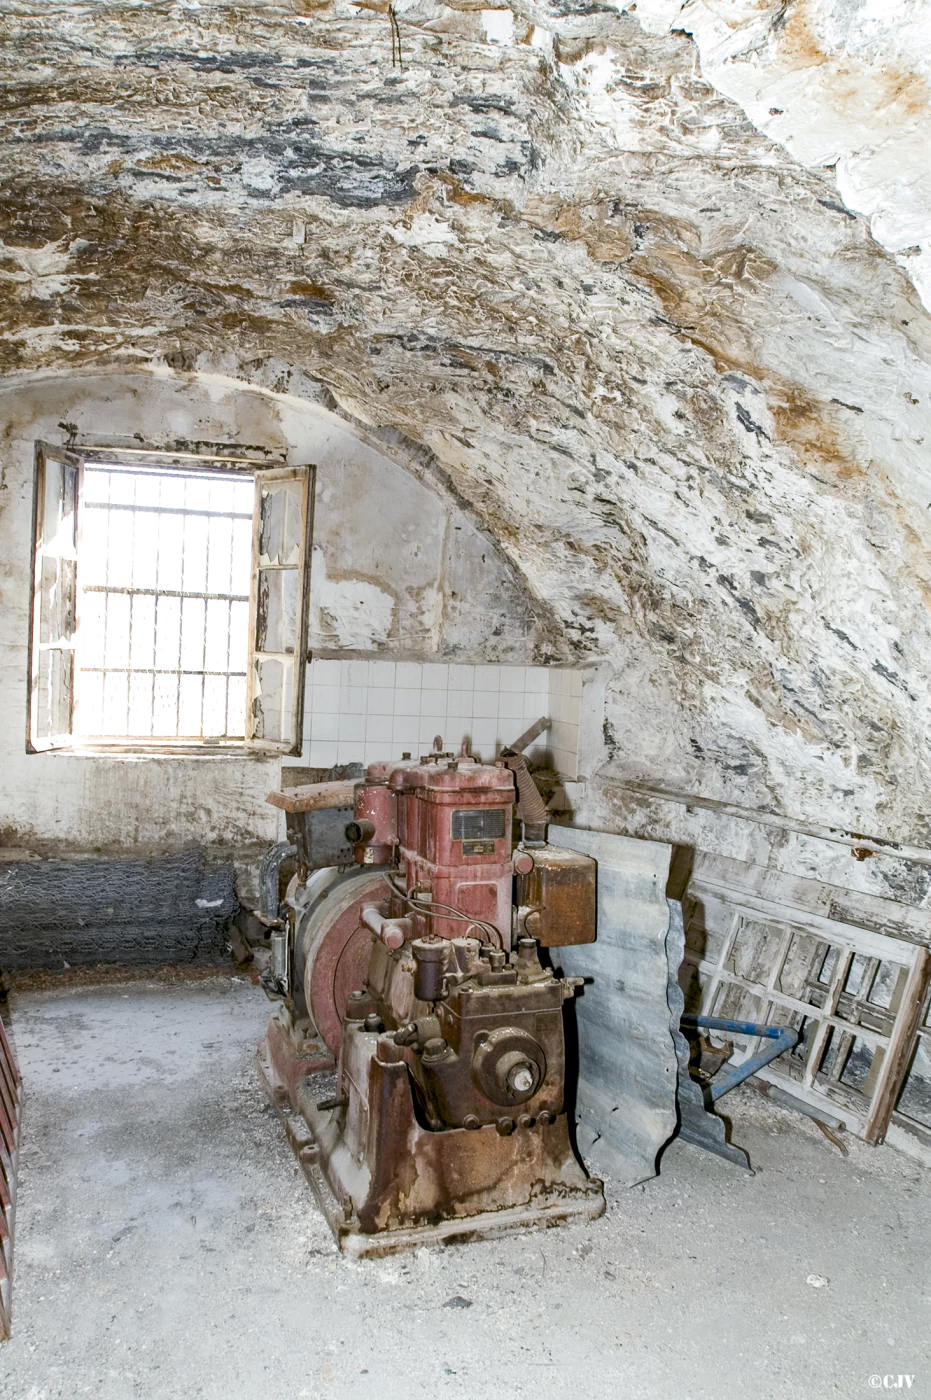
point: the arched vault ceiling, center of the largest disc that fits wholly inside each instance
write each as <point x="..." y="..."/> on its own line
<point x="659" y="358"/>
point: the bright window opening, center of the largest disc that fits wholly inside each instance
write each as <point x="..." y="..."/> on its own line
<point x="164" y="566"/>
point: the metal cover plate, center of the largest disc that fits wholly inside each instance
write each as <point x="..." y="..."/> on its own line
<point x="626" y="1097"/>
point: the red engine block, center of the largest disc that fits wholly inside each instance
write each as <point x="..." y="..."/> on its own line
<point x="450" y="824"/>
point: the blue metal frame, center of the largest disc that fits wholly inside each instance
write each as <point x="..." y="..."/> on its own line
<point x="782" y="1038"/>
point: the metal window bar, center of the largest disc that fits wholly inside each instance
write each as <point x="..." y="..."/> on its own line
<point x="94" y="655"/>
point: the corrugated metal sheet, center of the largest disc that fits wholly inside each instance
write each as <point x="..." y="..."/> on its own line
<point x="626" y="1097"/>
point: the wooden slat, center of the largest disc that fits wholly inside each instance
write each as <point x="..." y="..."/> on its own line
<point x="10" y="1080"/>
<point x="314" y="797"/>
<point x="901" y="1044"/>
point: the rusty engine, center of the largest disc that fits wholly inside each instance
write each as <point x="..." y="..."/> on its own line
<point x="417" y="1056"/>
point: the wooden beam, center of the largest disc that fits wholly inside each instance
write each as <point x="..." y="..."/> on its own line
<point x="314" y="797"/>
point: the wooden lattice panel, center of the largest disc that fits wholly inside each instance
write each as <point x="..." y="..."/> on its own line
<point x="10" y="1116"/>
<point x="854" y="995"/>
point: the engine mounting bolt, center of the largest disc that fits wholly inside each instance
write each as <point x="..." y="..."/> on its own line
<point x="505" y="1126"/>
<point x="545" y="1117"/>
<point x="471" y="1122"/>
<point x="373" y="1022"/>
<point x="525" y="1121"/>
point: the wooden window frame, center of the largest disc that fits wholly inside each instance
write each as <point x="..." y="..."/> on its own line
<point x="73" y="458"/>
<point x="293" y="746"/>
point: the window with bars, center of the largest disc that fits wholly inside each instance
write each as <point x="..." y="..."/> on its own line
<point x="170" y="601"/>
<point x="163" y="603"/>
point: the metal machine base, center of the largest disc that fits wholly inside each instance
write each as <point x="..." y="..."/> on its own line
<point x="420" y="1187"/>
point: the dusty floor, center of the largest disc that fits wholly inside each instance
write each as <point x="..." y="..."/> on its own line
<point x="167" y="1247"/>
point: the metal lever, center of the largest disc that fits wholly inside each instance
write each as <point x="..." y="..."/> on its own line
<point x="782" y="1038"/>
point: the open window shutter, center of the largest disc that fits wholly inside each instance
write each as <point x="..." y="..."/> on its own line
<point x="54" y="597"/>
<point x="282" y="526"/>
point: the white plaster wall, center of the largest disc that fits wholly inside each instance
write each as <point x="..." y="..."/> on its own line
<point x="385" y="544"/>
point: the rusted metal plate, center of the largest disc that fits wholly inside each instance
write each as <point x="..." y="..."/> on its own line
<point x="406" y="1187"/>
<point x="626" y="1097"/>
<point x="10" y="1120"/>
<point x="560" y="892"/>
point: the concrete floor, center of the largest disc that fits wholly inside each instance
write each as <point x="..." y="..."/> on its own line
<point x="167" y="1247"/>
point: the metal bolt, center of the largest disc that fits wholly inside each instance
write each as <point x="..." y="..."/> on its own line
<point x="470" y="1121"/>
<point x="520" y="1078"/>
<point x="505" y="1126"/>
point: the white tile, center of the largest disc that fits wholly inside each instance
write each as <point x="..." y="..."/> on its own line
<point x="406" y="701"/>
<point x="557" y="681"/>
<point x="381" y="674"/>
<point x="575" y="687"/>
<point x="408" y="673"/>
<point x="351" y="727"/>
<point x="435" y="676"/>
<point x="350" y="751"/>
<point x="325" y="672"/>
<point x="537" y="678"/>
<point x="380" y="702"/>
<point x="355" y="673"/>
<point x="459" y="704"/>
<point x="430" y="726"/>
<point x="484" y="732"/>
<point x="487" y="677"/>
<point x="537" y="753"/>
<point x="322" y="754"/>
<point x="461" y="677"/>
<point x="511" y="678"/>
<point x="326" y="700"/>
<point x="404" y="732"/>
<point x="536" y="705"/>
<point x="378" y="753"/>
<point x="573" y="708"/>
<point x="511" y="705"/>
<point x="353" y="699"/>
<point x="485" y="704"/>
<point x="378" y="729"/>
<point x="324" y="727"/>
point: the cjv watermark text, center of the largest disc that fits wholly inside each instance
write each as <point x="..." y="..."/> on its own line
<point x="891" y="1382"/>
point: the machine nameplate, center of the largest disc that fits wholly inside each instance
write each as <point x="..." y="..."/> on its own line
<point x="478" y="848"/>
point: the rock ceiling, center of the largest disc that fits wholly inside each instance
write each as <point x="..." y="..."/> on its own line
<point x="655" y="353"/>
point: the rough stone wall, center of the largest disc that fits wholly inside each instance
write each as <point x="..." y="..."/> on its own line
<point x="658" y="358"/>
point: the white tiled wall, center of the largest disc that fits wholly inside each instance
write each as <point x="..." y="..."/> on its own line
<point x="565" y="698"/>
<point x="361" y="711"/>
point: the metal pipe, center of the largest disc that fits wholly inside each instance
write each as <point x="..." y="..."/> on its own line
<point x="782" y="1038"/>
<point x="392" y="932"/>
<point x="272" y="862"/>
